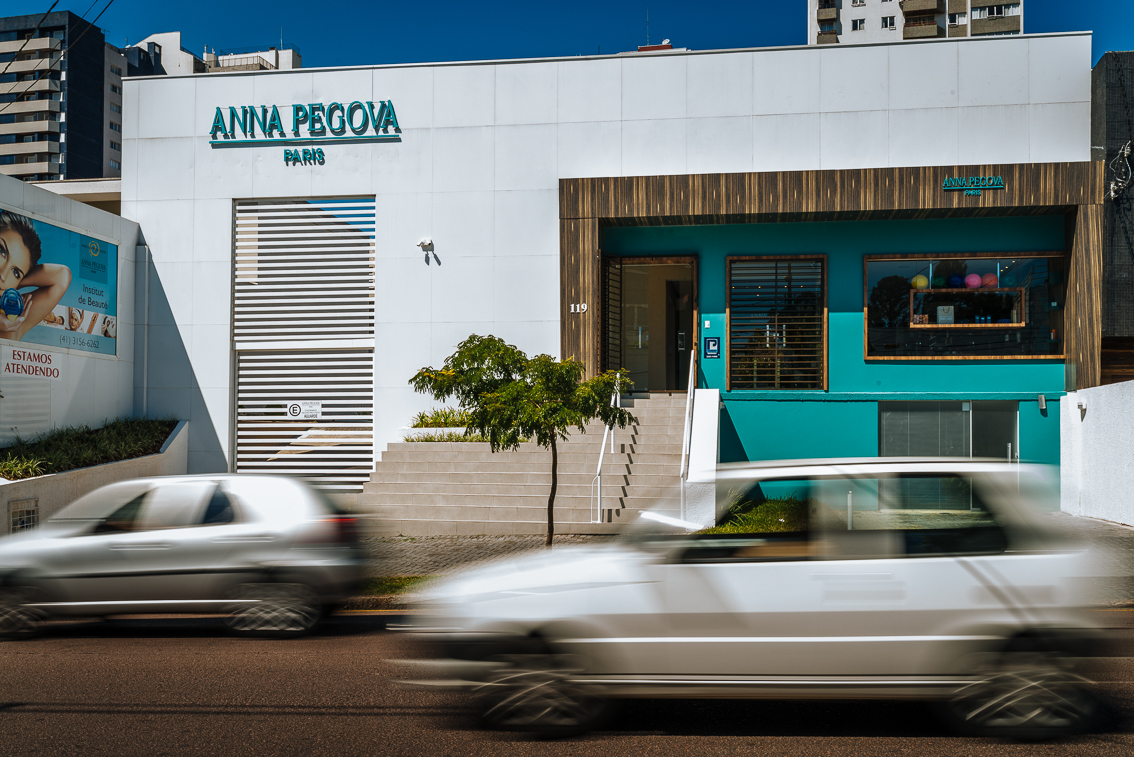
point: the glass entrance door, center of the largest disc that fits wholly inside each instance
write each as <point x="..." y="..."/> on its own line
<point x="655" y="321"/>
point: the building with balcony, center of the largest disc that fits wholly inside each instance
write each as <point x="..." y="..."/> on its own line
<point x="874" y="21"/>
<point x="60" y="99"/>
<point x="163" y="54"/>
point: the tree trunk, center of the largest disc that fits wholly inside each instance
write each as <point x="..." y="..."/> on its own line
<point x="551" y="497"/>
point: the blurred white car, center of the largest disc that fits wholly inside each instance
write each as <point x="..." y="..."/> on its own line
<point x="882" y="578"/>
<point x="270" y="553"/>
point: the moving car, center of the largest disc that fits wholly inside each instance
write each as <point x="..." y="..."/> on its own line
<point x="270" y="553"/>
<point x="881" y="578"/>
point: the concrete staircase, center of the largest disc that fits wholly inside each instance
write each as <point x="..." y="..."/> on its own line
<point x="462" y="488"/>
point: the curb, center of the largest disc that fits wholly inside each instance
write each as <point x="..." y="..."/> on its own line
<point x="380" y="602"/>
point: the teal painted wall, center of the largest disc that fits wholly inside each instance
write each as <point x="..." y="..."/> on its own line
<point x="843" y="421"/>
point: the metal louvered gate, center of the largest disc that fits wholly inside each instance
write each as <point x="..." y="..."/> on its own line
<point x="303" y="330"/>
<point x="611" y="323"/>
<point x="777" y="323"/>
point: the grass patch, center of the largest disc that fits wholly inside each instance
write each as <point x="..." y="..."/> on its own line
<point x="768" y="516"/>
<point x="442" y="417"/>
<point x="385" y="585"/>
<point x="74" y="447"/>
<point x="445" y="436"/>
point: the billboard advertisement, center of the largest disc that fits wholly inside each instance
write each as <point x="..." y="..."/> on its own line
<point x="58" y="288"/>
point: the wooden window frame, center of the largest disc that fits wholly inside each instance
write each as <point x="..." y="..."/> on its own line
<point x="729" y="260"/>
<point x="867" y="259"/>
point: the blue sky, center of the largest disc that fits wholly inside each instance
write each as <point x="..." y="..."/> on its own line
<point x="359" y="32"/>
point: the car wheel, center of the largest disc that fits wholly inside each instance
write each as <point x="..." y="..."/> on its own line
<point x="17" y="620"/>
<point x="1028" y="696"/>
<point x="276" y="610"/>
<point x="537" y="691"/>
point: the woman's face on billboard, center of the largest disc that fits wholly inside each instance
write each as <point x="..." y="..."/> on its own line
<point x="14" y="258"/>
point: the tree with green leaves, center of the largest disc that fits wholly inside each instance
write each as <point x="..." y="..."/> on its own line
<point x="511" y="398"/>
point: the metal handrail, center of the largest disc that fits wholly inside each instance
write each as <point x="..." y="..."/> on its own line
<point x="687" y="432"/>
<point x="596" y="512"/>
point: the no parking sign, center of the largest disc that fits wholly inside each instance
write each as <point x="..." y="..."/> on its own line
<point x="305" y="410"/>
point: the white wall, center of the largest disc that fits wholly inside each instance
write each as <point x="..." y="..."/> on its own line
<point x="55" y="491"/>
<point x="485" y="144"/>
<point x="175" y="60"/>
<point x="92" y="388"/>
<point x="1096" y="453"/>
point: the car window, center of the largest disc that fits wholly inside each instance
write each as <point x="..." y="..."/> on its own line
<point x="912" y="514"/>
<point x="756" y="526"/>
<point x="177" y="505"/>
<point x="123" y="519"/>
<point x="99" y="504"/>
<point x="847" y="517"/>
<point x="219" y="510"/>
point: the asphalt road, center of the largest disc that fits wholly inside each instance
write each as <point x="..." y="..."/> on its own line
<point x="184" y="687"/>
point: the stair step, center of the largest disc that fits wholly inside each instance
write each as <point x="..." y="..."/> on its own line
<point x="399" y="480"/>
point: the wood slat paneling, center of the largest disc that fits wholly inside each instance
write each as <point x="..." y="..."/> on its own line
<point x="849" y="191"/>
<point x="1082" y="313"/>
<point x="579" y="277"/>
<point x="589" y="205"/>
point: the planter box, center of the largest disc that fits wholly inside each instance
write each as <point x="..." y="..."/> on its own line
<point x="51" y="493"/>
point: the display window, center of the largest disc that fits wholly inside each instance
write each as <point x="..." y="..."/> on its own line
<point x="963" y="307"/>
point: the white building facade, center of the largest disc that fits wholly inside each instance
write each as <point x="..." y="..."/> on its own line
<point x="328" y="265"/>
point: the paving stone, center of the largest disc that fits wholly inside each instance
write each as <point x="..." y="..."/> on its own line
<point x="440" y="555"/>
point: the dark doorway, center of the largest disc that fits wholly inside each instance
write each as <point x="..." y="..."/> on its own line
<point x="649" y="320"/>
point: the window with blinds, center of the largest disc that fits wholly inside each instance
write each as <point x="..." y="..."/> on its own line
<point x="303" y="330"/>
<point x="777" y="323"/>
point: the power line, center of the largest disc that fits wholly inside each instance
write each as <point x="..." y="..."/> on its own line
<point x="63" y="55"/>
<point x="29" y="38"/>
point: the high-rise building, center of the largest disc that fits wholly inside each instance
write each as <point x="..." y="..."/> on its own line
<point x="832" y="22"/>
<point x="60" y="99"/>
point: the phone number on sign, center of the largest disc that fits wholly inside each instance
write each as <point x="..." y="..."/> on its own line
<point x="66" y="340"/>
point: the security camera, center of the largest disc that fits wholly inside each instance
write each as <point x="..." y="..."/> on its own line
<point x="426" y="242"/>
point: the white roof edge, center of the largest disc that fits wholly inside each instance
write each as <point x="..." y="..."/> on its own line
<point x="617" y="56"/>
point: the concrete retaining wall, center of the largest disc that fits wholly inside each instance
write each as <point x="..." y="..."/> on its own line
<point x="55" y="491"/>
<point x="1097" y="453"/>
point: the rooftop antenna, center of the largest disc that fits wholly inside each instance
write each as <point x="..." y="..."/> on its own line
<point x="647" y="26"/>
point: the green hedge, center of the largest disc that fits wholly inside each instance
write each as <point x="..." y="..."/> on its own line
<point x="442" y="417"/>
<point x="74" y="447"/>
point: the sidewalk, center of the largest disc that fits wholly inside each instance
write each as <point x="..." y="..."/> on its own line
<point x="440" y="555"/>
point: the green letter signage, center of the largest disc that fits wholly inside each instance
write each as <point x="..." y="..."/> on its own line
<point x="972" y="185"/>
<point x="367" y="121"/>
<point x="218" y="125"/>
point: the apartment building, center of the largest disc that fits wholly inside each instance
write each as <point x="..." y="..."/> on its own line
<point x="58" y="81"/>
<point x="163" y="54"/>
<point x="832" y="22"/>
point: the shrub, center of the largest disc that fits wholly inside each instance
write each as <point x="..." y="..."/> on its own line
<point x="442" y="417"/>
<point x="74" y="447"/>
<point x="445" y="436"/>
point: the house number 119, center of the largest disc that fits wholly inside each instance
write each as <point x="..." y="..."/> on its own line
<point x="578" y="307"/>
